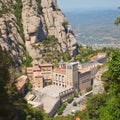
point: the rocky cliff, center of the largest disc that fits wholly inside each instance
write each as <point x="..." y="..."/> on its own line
<point x="29" y="23"/>
<point x="10" y="38"/>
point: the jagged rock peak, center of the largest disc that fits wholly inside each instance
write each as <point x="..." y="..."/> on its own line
<point x="42" y="18"/>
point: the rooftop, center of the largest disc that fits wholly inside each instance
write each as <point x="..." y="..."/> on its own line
<point x="35" y="104"/>
<point x="77" y="118"/>
<point x="103" y="54"/>
<point x="21" y="82"/>
<point x="94" y="57"/>
<point x="52" y="90"/>
<point x="46" y="65"/>
<point x="59" y="70"/>
<point x="73" y="63"/>
<point x="49" y="96"/>
<point x="99" y="55"/>
<point x="84" y="70"/>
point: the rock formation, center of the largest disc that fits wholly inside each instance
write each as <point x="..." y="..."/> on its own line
<point x="10" y="38"/>
<point x="40" y="19"/>
<point x="44" y="18"/>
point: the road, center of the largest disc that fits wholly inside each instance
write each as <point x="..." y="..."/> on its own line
<point x="70" y="107"/>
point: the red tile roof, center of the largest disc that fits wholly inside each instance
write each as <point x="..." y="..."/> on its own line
<point x="77" y="118"/>
<point x="102" y="54"/>
<point x="46" y="65"/>
<point x="98" y="56"/>
<point x="59" y="70"/>
<point x="20" y="83"/>
<point x="84" y="107"/>
<point x="94" y="57"/>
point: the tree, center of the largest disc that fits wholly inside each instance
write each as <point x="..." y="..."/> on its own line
<point x="83" y="115"/>
<point x="12" y="105"/>
<point x="66" y="56"/>
<point x="94" y="105"/>
<point x="111" y="110"/>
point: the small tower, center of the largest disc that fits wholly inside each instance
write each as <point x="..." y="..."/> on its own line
<point x="72" y="75"/>
<point x="62" y="64"/>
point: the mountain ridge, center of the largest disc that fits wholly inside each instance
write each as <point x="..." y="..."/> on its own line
<point x="35" y="21"/>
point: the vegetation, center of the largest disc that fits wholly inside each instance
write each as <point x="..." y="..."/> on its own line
<point x="28" y="61"/>
<point x="70" y="99"/>
<point x="65" y="25"/>
<point x="39" y="7"/>
<point x="18" y="14"/>
<point x="66" y="56"/>
<point x="88" y="89"/>
<point x="5" y="9"/>
<point x="111" y="109"/>
<point x="83" y="115"/>
<point x="52" y="51"/>
<point x="62" y="107"/>
<point x="69" y="117"/>
<point x="74" y="104"/>
<point x="105" y="106"/>
<point x="76" y="94"/>
<point x="94" y="105"/>
<point x="28" y="87"/>
<point x="12" y="105"/>
<point x="84" y="54"/>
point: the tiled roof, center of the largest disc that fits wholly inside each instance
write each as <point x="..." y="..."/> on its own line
<point x="84" y="107"/>
<point x="98" y="56"/>
<point x="37" y="74"/>
<point x="20" y="83"/>
<point x="46" y="65"/>
<point x="94" y="57"/>
<point x="84" y="70"/>
<point x="59" y="70"/>
<point x="102" y="54"/>
<point x="77" y="118"/>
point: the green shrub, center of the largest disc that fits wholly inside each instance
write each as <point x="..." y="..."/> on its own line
<point x="88" y="89"/>
<point x="18" y="14"/>
<point x="76" y="94"/>
<point x="69" y="100"/>
<point x="74" y="104"/>
<point x="61" y="108"/>
<point x="28" y="61"/>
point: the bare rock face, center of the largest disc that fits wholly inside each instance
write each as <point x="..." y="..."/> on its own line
<point x="44" y="18"/>
<point x="41" y="20"/>
<point x="58" y="26"/>
<point x="34" y="28"/>
<point x="10" y="39"/>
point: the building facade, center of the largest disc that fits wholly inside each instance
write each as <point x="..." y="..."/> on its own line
<point x="68" y="75"/>
<point x="84" y="79"/>
<point x="40" y="75"/>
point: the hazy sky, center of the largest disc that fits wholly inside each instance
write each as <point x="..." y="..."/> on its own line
<point x="85" y="4"/>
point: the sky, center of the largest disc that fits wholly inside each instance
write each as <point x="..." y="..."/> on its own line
<point x="87" y="4"/>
